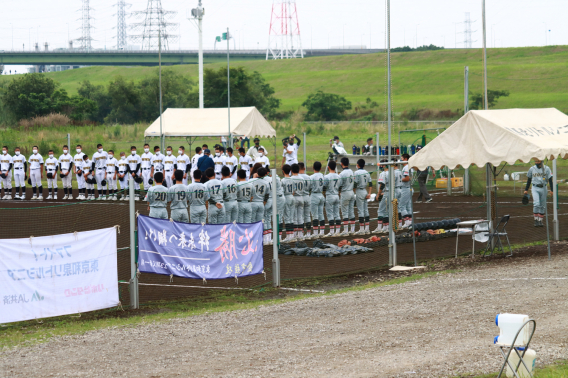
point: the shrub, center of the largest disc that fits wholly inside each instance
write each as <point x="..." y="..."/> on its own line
<point x="50" y="120"/>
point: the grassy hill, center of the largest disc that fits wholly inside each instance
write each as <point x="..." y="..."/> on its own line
<point x="535" y="77"/>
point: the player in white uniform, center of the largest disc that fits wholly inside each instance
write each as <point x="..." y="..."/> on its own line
<point x="20" y="167"/>
<point x="288" y="155"/>
<point x="65" y="164"/>
<point x="134" y="167"/>
<point x="245" y="162"/>
<point x="170" y="166"/>
<point x="78" y="160"/>
<point x="158" y="164"/>
<point x="263" y="159"/>
<point x="51" y="166"/>
<point x="232" y="163"/>
<point x="219" y="160"/>
<point x="89" y="174"/>
<point x="111" y="175"/>
<point x="35" y="173"/>
<point x="194" y="160"/>
<point x="122" y="175"/>
<point x="99" y="158"/>
<point x="183" y="164"/>
<point x="6" y="166"/>
<point x="146" y="166"/>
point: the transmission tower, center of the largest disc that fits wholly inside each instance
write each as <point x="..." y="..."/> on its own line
<point x="86" y="26"/>
<point x="154" y="24"/>
<point x="121" y="36"/>
<point x="284" y="40"/>
<point x="467" y="41"/>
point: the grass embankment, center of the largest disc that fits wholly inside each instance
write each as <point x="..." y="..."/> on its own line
<point x="559" y="370"/>
<point x="535" y="76"/>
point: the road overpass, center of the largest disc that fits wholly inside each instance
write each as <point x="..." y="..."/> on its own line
<point x="147" y="58"/>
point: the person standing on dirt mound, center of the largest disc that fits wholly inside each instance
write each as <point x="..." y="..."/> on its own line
<point x="538" y="175"/>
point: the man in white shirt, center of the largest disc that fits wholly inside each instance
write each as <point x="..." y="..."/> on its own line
<point x="51" y="167"/>
<point x="78" y="163"/>
<point x="288" y="155"/>
<point x="253" y="152"/>
<point x="183" y="163"/>
<point x="6" y="165"/>
<point x="219" y="161"/>
<point x="65" y="163"/>
<point x="232" y="163"/>
<point x="20" y="167"/>
<point x="170" y="166"/>
<point x="245" y="162"/>
<point x="110" y="176"/>
<point x="35" y="174"/>
<point x="336" y="143"/>
<point x="146" y="166"/>
<point x="100" y="158"/>
<point x="294" y="142"/>
<point x="263" y="159"/>
<point x="194" y="160"/>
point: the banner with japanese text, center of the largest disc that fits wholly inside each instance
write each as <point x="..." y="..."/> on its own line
<point x="211" y="251"/>
<point x="58" y="275"/>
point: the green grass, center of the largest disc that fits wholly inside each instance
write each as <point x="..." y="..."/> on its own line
<point x="558" y="370"/>
<point x="31" y="332"/>
<point x="430" y="79"/>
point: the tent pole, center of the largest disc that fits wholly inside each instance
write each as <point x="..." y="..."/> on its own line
<point x="392" y="240"/>
<point x="488" y="171"/>
<point x="466" y="182"/>
<point x="555" y="226"/>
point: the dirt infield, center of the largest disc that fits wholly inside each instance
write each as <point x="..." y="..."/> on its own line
<point x="438" y="326"/>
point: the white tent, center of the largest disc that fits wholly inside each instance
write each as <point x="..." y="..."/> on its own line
<point x="496" y="136"/>
<point x="211" y="122"/>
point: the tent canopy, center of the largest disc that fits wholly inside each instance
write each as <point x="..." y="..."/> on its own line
<point x="211" y="122"/>
<point x="496" y="136"/>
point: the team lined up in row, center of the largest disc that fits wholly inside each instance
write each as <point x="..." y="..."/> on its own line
<point x="300" y="199"/>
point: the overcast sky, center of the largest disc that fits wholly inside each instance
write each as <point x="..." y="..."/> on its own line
<point x="323" y="23"/>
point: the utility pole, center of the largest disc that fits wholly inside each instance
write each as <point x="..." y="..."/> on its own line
<point x="392" y="240"/>
<point x="488" y="168"/>
<point x="197" y="14"/>
<point x="160" y="84"/>
<point x="229" y="90"/>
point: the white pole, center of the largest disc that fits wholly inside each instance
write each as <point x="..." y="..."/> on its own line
<point x="488" y="170"/>
<point x="134" y="299"/>
<point x="378" y="159"/>
<point x="228" y="88"/>
<point x="305" y="158"/>
<point x="160" y="84"/>
<point x="200" y="27"/>
<point x="69" y="141"/>
<point x="555" y="225"/>
<point x="392" y="241"/>
<point x="466" y="182"/>
<point x="275" y="234"/>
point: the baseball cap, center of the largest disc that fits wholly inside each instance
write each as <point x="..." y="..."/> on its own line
<point x="206" y="151"/>
<point x="336" y="138"/>
<point x="256" y="140"/>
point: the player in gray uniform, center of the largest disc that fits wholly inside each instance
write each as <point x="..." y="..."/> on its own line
<point x="122" y="175"/>
<point x="331" y="186"/>
<point x="307" y="201"/>
<point x="398" y="192"/>
<point x="198" y="197"/>
<point x="216" y="213"/>
<point x="51" y="166"/>
<point x="20" y="167"/>
<point x="259" y="194"/>
<point x="178" y="196"/>
<point x="230" y="196"/>
<point x="78" y="162"/>
<point x="35" y="174"/>
<point x="99" y="158"/>
<point x="280" y="204"/>
<point x="65" y="164"/>
<point x="347" y="197"/>
<point x="363" y="188"/>
<point x="6" y="166"/>
<point x="299" y="184"/>
<point x="290" y="208"/>
<point x="405" y="204"/>
<point x="539" y="176"/>
<point x="317" y="200"/>
<point x="244" y="194"/>
<point x="134" y="168"/>
<point x="267" y="215"/>
<point x="158" y="198"/>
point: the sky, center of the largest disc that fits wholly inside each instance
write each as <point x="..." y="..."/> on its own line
<point x="323" y="23"/>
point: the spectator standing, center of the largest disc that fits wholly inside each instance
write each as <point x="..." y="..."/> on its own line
<point x="368" y="148"/>
<point x="334" y="143"/>
<point x="253" y="152"/>
<point x="205" y="162"/>
<point x="422" y="176"/>
<point x="245" y="139"/>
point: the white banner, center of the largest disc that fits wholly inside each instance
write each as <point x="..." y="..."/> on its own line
<point x="57" y="275"/>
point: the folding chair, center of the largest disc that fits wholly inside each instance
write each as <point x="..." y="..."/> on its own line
<point x="520" y="350"/>
<point x="495" y="238"/>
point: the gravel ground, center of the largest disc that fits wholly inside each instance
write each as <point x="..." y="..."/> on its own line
<point x="438" y="326"/>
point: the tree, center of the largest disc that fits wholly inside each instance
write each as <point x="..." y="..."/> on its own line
<point x="124" y="101"/>
<point x="100" y="96"/>
<point x="29" y="95"/>
<point x="492" y="97"/>
<point x="326" y="106"/>
<point x="246" y="90"/>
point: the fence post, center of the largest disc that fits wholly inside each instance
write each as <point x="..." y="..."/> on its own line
<point x="69" y="141"/>
<point x="449" y="183"/>
<point x="276" y="233"/>
<point x="378" y="159"/>
<point x="555" y="225"/>
<point x="134" y="299"/>
<point x="305" y="157"/>
<point x="466" y="181"/>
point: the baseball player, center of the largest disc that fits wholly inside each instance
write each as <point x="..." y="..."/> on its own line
<point x="307" y="201"/>
<point x="170" y="166"/>
<point x="263" y="159"/>
<point x="398" y="191"/>
<point x="216" y="211"/>
<point x="230" y="196"/>
<point x="317" y="200"/>
<point x="382" y="196"/>
<point x="134" y="168"/>
<point x="363" y="189"/>
<point x="331" y="185"/>
<point x="280" y="204"/>
<point x="157" y="164"/>
<point x="87" y="169"/>
<point x="294" y="143"/>
<point x="183" y="164"/>
<point x="245" y="162"/>
<point x="198" y="153"/>
<point x="65" y="165"/>
<point x="288" y="155"/>
<point x="219" y="160"/>
<point x="158" y="198"/>
<point x="35" y="173"/>
<point x="288" y="184"/>
<point x="20" y="167"/>
<point x="6" y="166"/>
<point x="51" y="166"/>
<point x="146" y="166"/>
<point x="99" y="158"/>
<point x="259" y="194"/>
<point x="122" y="175"/>
<point x="78" y="163"/>
<point x="111" y="175"/>
<point x="267" y="215"/>
<point x="244" y="194"/>
<point x="405" y="204"/>
<point x="299" y="184"/>
<point x="539" y="176"/>
<point x="347" y="197"/>
<point x="178" y="196"/>
<point x="198" y="197"/>
<point x="232" y="163"/>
